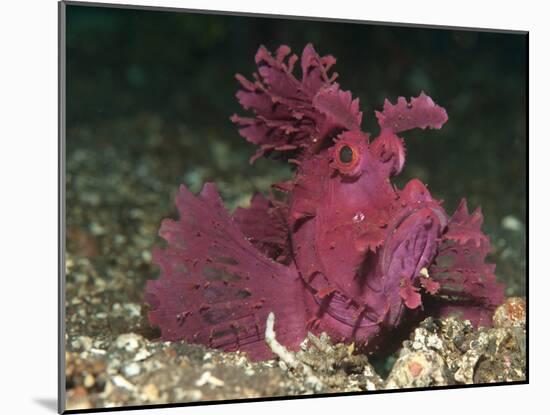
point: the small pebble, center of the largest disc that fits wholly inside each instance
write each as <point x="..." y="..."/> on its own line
<point x="89" y="380"/>
<point x="134" y="310"/>
<point x="129" y="342"/>
<point x="100" y="283"/>
<point x="122" y="382"/>
<point x="146" y="256"/>
<point x="132" y="369"/>
<point x="192" y="395"/>
<point x="142" y="354"/>
<point x="207" y="377"/>
<point x="83" y="342"/>
<point x="77" y="398"/>
<point x="512" y="313"/>
<point x="151" y="392"/>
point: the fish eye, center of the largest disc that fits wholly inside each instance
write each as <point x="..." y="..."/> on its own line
<point x="347" y="158"/>
<point x="345" y="154"/>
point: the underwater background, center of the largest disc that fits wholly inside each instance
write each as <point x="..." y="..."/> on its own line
<point x="149" y="96"/>
<point x="169" y="78"/>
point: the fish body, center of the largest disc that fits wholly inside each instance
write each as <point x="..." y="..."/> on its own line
<point x="344" y="251"/>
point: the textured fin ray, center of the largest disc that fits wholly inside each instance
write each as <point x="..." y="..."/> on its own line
<point x="265" y="224"/>
<point x="468" y="284"/>
<point x="215" y="287"/>
<point x="292" y="116"/>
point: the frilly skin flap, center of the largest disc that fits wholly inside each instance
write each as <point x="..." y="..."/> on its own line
<point x="344" y="251"/>
<point x="294" y="116"/>
<point x="216" y="288"/>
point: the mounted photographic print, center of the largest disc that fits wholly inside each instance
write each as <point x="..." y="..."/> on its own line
<point x="278" y="206"/>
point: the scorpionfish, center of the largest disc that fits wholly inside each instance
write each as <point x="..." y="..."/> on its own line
<point x="336" y="249"/>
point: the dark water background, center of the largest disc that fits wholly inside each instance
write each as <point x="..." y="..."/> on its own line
<point x="150" y="93"/>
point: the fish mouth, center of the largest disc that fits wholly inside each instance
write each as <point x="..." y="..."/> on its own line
<point x="373" y="297"/>
<point x="433" y="206"/>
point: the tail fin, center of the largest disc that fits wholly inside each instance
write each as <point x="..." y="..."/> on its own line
<point x="215" y="287"/>
<point x="468" y="284"/>
<point x="294" y="116"/>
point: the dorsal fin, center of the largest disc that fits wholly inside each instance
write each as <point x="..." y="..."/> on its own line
<point x="291" y="116"/>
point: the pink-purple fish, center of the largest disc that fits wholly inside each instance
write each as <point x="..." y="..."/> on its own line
<point x="342" y="251"/>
